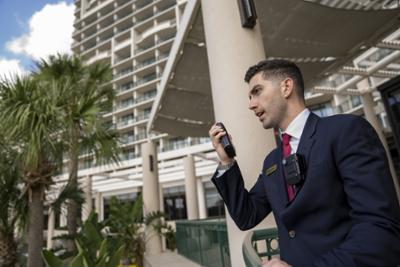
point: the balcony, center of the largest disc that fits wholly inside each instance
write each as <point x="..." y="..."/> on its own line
<point x="125" y="87"/>
<point x="146" y="79"/>
<point x="123" y="72"/>
<point x="145" y="97"/>
<point x="122" y="58"/>
<point x="145" y="63"/>
<point x="176" y="145"/>
<point x="128" y="139"/>
<point x="131" y="121"/>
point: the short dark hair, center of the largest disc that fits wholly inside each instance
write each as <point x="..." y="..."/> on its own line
<point x="278" y="68"/>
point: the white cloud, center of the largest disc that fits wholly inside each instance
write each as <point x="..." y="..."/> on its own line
<point x="10" y="67"/>
<point x="50" y="32"/>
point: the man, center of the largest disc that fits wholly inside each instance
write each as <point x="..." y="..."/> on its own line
<point x="343" y="210"/>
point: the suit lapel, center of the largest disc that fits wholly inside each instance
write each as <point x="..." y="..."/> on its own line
<point x="306" y="139"/>
<point x="304" y="148"/>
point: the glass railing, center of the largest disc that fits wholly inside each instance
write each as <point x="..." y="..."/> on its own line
<point x="204" y="241"/>
<point x="125" y="122"/>
<point x="144" y="48"/>
<point x="252" y="254"/>
<point x="346" y="106"/>
<point x="125" y="104"/>
<point x="124" y="28"/>
<point x="141" y="117"/>
<point x="123" y="72"/>
<point x="161" y="9"/>
<point x="146" y="79"/>
<point x="145" y="97"/>
<point x="145" y="63"/>
<point x="166" y="38"/>
<point x="127" y="139"/>
<point x="121" y="59"/>
<point x="108" y="37"/>
<point x="130" y="155"/>
<point x="125" y="87"/>
<point x="144" y="4"/>
<point x="176" y="145"/>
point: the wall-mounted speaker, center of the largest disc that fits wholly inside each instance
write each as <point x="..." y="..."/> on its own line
<point x="248" y="13"/>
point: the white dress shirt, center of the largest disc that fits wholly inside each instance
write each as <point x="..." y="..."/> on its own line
<point x="295" y="129"/>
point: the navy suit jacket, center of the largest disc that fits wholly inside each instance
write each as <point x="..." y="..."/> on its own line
<point x="345" y="214"/>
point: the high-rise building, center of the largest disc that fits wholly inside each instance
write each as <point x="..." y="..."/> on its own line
<point x="135" y="38"/>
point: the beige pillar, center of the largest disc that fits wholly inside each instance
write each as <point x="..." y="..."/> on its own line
<point x="98" y="205"/>
<point x="201" y="199"/>
<point x="50" y="229"/>
<point x="370" y="115"/>
<point x="192" y="207"/>
<point x="151" y="193"/>
<point x="229" y="58"/>
<point x="63" y="216"/>
<point x="87" y="206"/>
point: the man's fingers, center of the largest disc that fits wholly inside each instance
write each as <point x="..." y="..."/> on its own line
<point x="220" y="134"/>
<point x="215" y="131"/>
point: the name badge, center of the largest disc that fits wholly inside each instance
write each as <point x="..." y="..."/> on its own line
<point x="271" y="170"/>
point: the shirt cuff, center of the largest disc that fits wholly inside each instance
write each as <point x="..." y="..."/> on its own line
<point x="221" y="169"/>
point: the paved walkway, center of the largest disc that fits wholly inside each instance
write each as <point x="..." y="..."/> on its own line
<point x="169" y="259"/>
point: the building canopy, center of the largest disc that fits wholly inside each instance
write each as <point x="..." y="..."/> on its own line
<point x="321" y="39"/>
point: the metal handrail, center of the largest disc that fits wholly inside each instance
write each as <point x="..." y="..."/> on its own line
<point x="251" y="255"/>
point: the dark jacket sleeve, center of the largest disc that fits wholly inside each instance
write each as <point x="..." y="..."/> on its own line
<point x="374" y="239"/>
<point x="247" y="208"/>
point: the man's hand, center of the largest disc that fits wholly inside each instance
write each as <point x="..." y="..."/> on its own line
<point x="275" y="262"/>
<point x="215" y="134"/>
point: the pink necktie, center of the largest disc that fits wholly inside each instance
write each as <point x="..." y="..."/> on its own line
<point x="286" y="153"/>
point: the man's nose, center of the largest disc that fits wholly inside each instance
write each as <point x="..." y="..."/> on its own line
<point x="252" y="104"/>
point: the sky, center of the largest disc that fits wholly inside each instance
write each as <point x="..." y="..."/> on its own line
<point x="32" y="30"/>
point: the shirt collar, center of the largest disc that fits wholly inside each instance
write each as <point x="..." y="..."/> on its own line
<point x="296" y="126"/>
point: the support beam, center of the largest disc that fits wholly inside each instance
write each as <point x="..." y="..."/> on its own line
<point x="229" y="58"/>
<point x="192" y="206"/>
<point x="151" y="194"/>
<point x="370" y="115"/>
<point x="87" y="206"/>
<point x="50" y="229"/>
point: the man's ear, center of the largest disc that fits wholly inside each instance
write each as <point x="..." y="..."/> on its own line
<point x="287" y="87"/>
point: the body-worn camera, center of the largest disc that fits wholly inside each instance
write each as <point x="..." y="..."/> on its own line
<point x="226" y="142"/>
<point x="294" y="167"/>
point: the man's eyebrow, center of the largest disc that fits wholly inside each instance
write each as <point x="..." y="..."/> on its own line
<point x="255" y="87"/>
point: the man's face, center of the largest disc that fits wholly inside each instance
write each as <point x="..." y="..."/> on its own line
<point x="266" y="101"/>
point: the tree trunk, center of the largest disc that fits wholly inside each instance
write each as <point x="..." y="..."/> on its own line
<point x="72" y="209"/>
<point x="8" y="250"/>
<point x="35" y="228"/>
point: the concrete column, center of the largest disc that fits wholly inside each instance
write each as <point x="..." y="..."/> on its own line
<point x="151" y="193"/>
<point x="370" y="115"/>
<point x="201" y="198"/>
<point x="50" y="229"/>
<point x="98" y="205"/>
<point x="229" y="58"/>
<point x="63" y="216"/>
<point x="87" y="206"/>
<point x="192" y="207"/>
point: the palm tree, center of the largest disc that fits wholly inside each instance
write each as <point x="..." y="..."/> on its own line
<point x="29" y="115"/>
<point x="126" y="222"/>
<point x="13" y="208"/>
<point x="87" y="99"/>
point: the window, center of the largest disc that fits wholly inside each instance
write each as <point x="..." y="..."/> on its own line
<point x="322" y="110"/>
<point x="214" y="202"/>
<point x="175" y="202"/>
